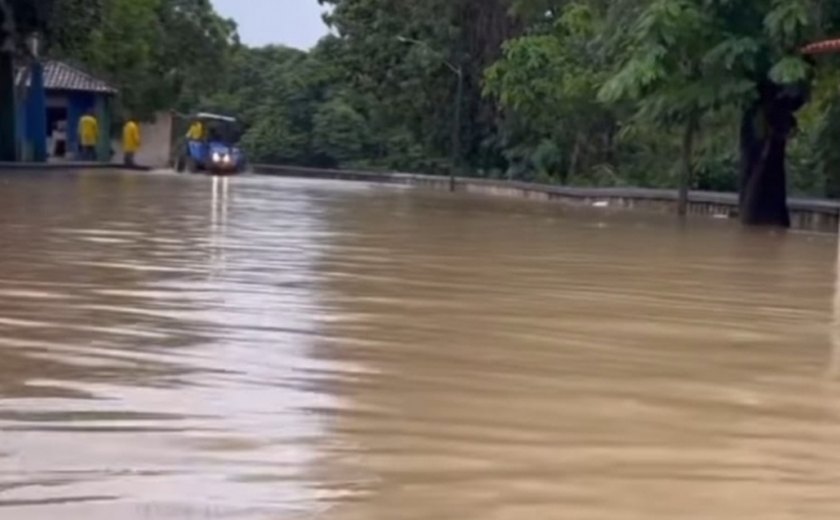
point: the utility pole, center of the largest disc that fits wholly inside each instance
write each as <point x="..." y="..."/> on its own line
<point x="456" y="130"/>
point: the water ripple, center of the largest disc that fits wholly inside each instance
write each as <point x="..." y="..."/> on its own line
<point x="185" y="347"/>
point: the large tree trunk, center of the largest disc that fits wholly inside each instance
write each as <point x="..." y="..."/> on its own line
<point x="764" y="199"/>
<point x="765" y="131"/>
<point x="830" y="154"/>
<point x="486" y="25"/>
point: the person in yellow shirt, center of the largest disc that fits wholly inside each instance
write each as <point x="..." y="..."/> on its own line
<point x="88" y="136"/>
<point x="196" y="131"/>
<point x="131" y="141"/>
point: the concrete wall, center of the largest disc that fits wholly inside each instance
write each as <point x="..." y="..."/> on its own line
<point x="806" y="214"/>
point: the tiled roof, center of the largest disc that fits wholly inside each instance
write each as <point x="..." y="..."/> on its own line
<point x="61" y="76"/>
<point x="823" y="47"/>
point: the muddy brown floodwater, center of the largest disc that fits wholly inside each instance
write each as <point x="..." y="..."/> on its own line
<point x="175" y="347"/>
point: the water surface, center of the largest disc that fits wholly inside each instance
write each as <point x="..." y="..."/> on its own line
<point x="175" y="347"/>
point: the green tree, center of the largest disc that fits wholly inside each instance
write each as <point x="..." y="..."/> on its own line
<point x="274" y="139"/>
<point x="684" y="58"/>
<point x="121" y="48"/>
<point x="548" y="83"/>
<point x="160" y="53"/>
<point x="286" y="99"/>
<point x="674" y="74"/>
<point x="193" y="52"/>
<point x="412" y="87"/>
<point x="339" y="133"/>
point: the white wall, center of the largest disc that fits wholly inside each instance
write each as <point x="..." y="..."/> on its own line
<point x="156" y="137"/>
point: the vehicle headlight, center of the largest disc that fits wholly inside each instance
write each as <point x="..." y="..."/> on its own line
<point x="226" y="159"/>
<point x="216" y="157"/>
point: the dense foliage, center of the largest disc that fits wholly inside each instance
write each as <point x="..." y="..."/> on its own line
<point x="598" y="92"/>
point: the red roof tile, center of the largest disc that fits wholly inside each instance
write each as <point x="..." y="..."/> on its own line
<point x="823" y="47"/>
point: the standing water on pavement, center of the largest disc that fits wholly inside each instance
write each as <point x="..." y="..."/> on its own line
<point x="178" y="347"/>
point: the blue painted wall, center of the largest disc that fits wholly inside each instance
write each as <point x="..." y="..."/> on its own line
<point x="36" y="115"/>
<point x="78" y="104"/>
<point x="20" y="128"/>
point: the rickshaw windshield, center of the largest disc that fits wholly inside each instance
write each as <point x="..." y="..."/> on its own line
<point x="220" y="128"/>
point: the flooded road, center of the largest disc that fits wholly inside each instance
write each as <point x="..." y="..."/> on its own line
<point x="178" y="348"/>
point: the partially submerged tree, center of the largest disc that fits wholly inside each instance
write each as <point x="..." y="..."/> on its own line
<point x="675" y="71"/>
<point x="689" y="57"/>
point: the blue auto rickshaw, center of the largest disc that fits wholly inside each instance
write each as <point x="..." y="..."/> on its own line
<point x="217" y="151"/>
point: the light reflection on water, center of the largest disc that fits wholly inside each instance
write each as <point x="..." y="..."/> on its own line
<point x="186" y="347"/>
